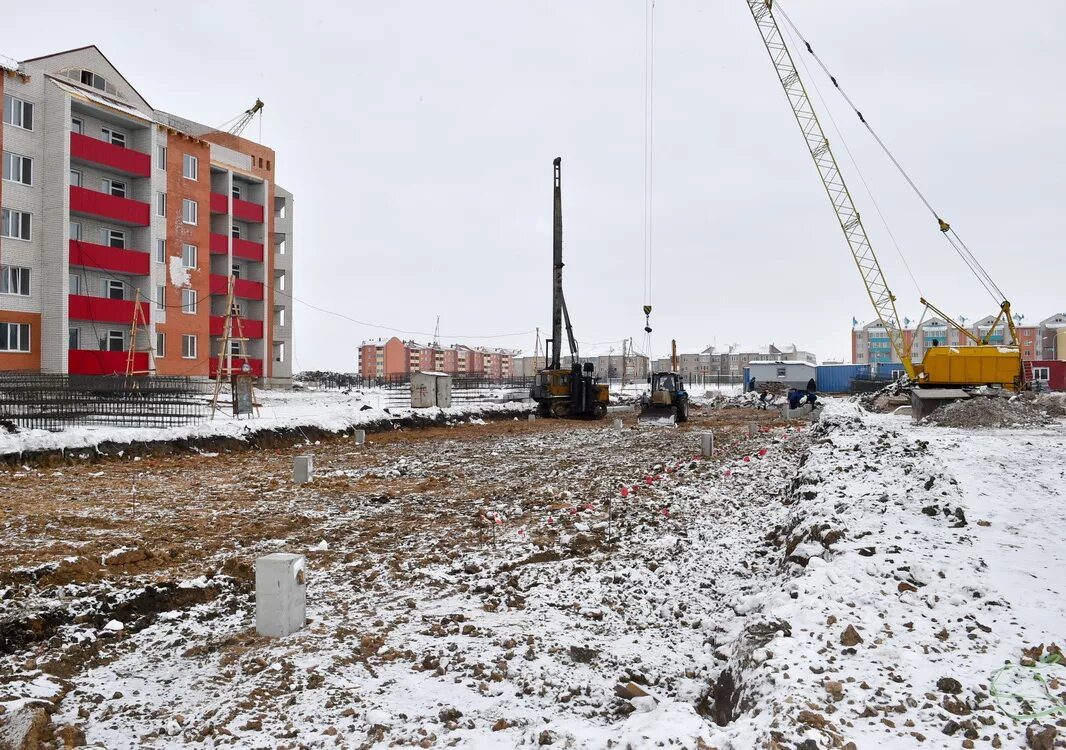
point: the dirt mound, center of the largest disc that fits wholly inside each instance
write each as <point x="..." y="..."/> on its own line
<point x="1025" y="410"/>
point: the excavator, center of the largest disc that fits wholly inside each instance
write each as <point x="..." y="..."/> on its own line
<point x="946" y="373"/>
<point x="666" y="403"/>
<point x="565" y="392"/>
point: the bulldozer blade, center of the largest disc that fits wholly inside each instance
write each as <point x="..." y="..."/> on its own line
<point x="657" y="418"/>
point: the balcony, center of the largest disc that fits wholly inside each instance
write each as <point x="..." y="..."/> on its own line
<point x="101" y="205"/>
<point x="252" y="329"/>
<point x="91" y="362"/>
<point x="219" y="203"/>
<point x="112" y="158"/>
<point x="104" y="310"/>
<point x="242" y="288"/>
<point x="90" y="255"/>
<point x="245" y="249"/>
<point x="247" y="211"/>
<point x="238" y="362"/>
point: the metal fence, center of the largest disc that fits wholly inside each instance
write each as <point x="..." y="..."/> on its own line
<point x="55" y="402"/>
<point x="465" y="390"/>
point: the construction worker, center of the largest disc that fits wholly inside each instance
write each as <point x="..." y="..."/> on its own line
<point x="763" y="398"/>
<point x="795" y="397"/>
<point x="812" y="396"/>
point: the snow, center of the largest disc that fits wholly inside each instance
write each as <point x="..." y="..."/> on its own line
<point x="940" y="548"/>
<point x="333" y="411"/>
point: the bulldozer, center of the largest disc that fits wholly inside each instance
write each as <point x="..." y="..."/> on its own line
<point x="666" y="403"/>
<point x="565" y="392"/>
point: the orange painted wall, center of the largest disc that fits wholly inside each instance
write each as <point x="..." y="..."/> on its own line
<point x="30" y="361"/>
<point x="178" y="322"/>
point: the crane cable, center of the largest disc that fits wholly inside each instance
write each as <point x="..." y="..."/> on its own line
<point x="855" y="166"/>
<point x="649" y="174"/>
<point x="953" y="238"/>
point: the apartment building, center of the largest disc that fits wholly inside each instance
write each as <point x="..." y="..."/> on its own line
<point x="870" y="343"/>
<point x="115" y="211"/>
<point x="395" y="357"/>
<point x="733" y="361"/>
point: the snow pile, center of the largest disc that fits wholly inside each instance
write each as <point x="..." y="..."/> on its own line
<point x="331" y="411"/>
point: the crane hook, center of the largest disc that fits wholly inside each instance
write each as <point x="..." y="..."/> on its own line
<point x="647" y="318"/>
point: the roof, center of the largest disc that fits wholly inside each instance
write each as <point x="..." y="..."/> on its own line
<point x="8" y="63"/>
<point x="93" y="47"/>
<point x="781" y="362"/>
<point x="106" y="101"/>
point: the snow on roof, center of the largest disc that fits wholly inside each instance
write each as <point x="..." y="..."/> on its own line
<point x="9" y="63"/>
<point x="781" y="362"/>
<point x="105" y="101"/>
<point x="433" y="373"/>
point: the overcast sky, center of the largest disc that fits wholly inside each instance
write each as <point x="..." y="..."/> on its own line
<point x="418" y="138"/>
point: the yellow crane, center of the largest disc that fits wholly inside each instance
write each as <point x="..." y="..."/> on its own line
<point x="945" y="372"/>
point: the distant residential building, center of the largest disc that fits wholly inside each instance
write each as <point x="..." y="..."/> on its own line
<point x="395" y="357"/>
<point x="870" y="343"/>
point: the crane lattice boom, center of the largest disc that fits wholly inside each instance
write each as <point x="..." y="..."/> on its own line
<point x="883" y="300"/>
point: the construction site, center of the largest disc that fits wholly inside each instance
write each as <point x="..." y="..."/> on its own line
<point x="601" y="545"/>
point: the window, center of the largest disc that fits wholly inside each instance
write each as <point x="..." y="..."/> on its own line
<point x="281" y="317"/>
<point x="235" y="348"/>
<point x="160" y="204"/>
<point x="92" y="79"/>
<point x="236" y="191"/>
<point x="75" y="178"/>
<point x="236" y="269"/>
<point x="113" y="238"/>
<point x="18" y="168"/>
<point x="114" y="137"/>
<point x="236" y="309"/>
<point x="75" y="230"/>
<point x="161" y="157"/>
<point x="77" y="125"/>
<point x="114" y="289"/>
<point x="190" y="167"/>
<point x="113" y="341"/>
<point x="15" y="225"/>
<point x="161" y="298"/>
<point x="279" y="351"/>
<point x="160" y="345"/>
<point x="189" y="211"/>
<point x="15" y="280"/>
<point x="14" y="337"/>
<point x="188" y="301"/>
<point x="160" y="250"/>
<point x="18" y="112"/>
<point x="1042" y="373"/>
<point x="75" y="284"/>
<point x="116" y="188"/>
<point x="188" y="347"/>
<point x="281" y="282"/>
<point x="188" y="255"/>
<point x="281" y="247"/>
<point x="235" y="231"/>
<point x="73" y="338"/>
<point x="781" y="372"/>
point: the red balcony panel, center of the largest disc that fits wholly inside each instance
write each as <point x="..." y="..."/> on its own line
<point x="219" y="244"/>
<point x="104" y="310"/>
<point x="238" y="362"/>
<point x="248" y="250"/>
<point x="95" y="203"/>
<point x="115" y="158"/>
<point x="219" y="203"/>
<point x="89" y="362"/>
<point x="247" y="211"/>
<point x="242" y="288"/>
<point x="252" y="329"/>
<point x="90" y="255"/>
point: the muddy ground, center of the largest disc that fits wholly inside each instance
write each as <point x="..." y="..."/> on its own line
<point x="95" y="553"/>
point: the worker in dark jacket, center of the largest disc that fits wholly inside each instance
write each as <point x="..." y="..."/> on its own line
<point x="795" y="397"/>
<point x="812" y="395"/>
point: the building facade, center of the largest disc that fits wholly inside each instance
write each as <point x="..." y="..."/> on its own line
<point x="395" y="358"/>
<point x="870" y="344"/>
<point x="116" y="212"/>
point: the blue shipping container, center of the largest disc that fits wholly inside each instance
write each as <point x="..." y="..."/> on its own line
<point x="747" y="378"/>
<point x="837" y="378"/>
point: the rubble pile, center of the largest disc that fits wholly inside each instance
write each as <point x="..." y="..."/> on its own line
<point x="996" y="411"/>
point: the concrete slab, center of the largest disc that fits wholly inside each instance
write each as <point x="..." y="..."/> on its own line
<point x="303" y="469"/>
<point x="280" y="594"/>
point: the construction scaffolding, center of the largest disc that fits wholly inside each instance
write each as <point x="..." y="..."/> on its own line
<point x="56" y="402"/>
